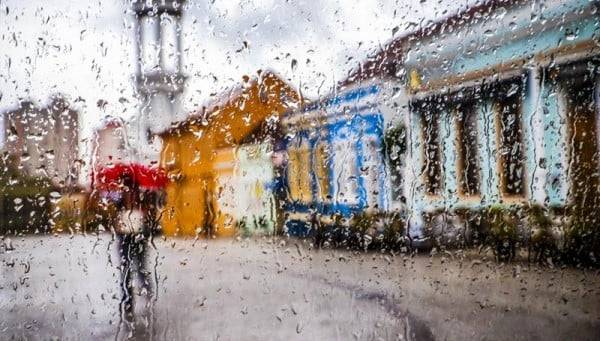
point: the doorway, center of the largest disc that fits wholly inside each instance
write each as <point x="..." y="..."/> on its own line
<point x="578" y="83"/>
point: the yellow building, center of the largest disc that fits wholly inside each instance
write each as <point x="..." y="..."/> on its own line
<point x="199" y="151"/>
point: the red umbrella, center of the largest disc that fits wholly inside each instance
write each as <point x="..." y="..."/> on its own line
<point x="149" y="177"/>
<point x="110" y="177"/>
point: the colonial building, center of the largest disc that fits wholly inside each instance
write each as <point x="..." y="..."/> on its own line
<point x="219" y="165"/>
<point x="500" y="103"/>
<point x="336" y="163"/>
<point x="495" y="105"/>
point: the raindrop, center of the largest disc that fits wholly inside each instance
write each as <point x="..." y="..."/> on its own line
<point x="294" y="64"/>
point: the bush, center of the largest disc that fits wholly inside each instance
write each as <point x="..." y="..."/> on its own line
<point x="24" y="200"/>
<point x="69" y="213"/>
<point x="21" y="214"/>
<point x="363" y="229"/>
<point x="582" y="244"/>
<point x="502" y="235"/>
<point x="394" y="232"/>
<point x="381" y="230"/>
<point x="99" y="216"/>
<point x="541" y="243"/>
<point x="334" y="234"/>
<point x="474" y="229"/>
<point x="261" y="225"/>
<point x="241" y="226"/>
<point x="449" y="229"/>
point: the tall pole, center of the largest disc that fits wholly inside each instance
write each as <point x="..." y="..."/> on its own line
<point x="158" y="79"/>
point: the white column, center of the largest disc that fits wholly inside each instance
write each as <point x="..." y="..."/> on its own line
<point x="447" y="140"/>
<point x="413" y="186"/>
<point x="2" y="130"/>
<point x="534" y="135"/>
<point x="169" y="51"/>
<point x="488" y="160"/>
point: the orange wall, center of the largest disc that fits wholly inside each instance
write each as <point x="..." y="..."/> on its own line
<point x="189" y="153"/>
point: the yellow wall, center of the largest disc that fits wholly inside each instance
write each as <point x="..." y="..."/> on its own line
<point x="69" y="212"/>
<point x="299" y="159"/>
<point x="190" y="154"/>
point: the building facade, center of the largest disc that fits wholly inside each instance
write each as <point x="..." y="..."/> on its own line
<point x="44" y="141"/>
<point x="207" y="159"/>
<point x="109" y="145"/>
<point x="245" y="199"/>
<point x="336" y="163"/>
<point x="502" y="108"/>
<point x="497" y="105"/>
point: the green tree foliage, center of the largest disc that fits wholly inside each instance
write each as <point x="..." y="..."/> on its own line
<point x="25" y="201"/>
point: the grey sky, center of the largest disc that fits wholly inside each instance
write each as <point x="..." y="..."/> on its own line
<point x="83" y="49"/>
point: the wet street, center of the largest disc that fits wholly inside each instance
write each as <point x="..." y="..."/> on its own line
<point x="66" y="287"/>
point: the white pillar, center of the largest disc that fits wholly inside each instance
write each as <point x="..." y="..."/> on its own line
<point x="488" y="160"/>
<point x="413" y="186"/>
<point x="534" y="135"/>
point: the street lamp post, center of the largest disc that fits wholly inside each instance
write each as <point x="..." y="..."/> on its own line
<point x="158" y="79"/>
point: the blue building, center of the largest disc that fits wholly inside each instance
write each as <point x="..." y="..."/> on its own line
<point x="502" y="105"/>
<point x="335" y="159"/>
<point x="498" y="105"/>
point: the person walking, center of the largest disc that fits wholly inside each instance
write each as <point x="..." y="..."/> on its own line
<point x="133" y="232"/>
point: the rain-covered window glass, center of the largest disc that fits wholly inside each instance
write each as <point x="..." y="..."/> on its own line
<point x="345" y="171"/>
<point x="170" y="34"/>
<point x="370" y="170"/>
<point x="578" y="86"/>
<point x="150" y="35"/>
<point x="300" y="170"/>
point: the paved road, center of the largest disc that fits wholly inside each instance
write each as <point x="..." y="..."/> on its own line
<point x="68" y="288"/>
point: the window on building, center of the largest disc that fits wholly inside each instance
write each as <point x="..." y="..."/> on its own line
<point x="395" y="141"/>
<point x="579" y="90"/>
<point x="298" y="175"/>
<point x="467" y="148"/>
<point x="432" y="150"/>
<point x="511" y="150"/>
<point x="370" y="171"/>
